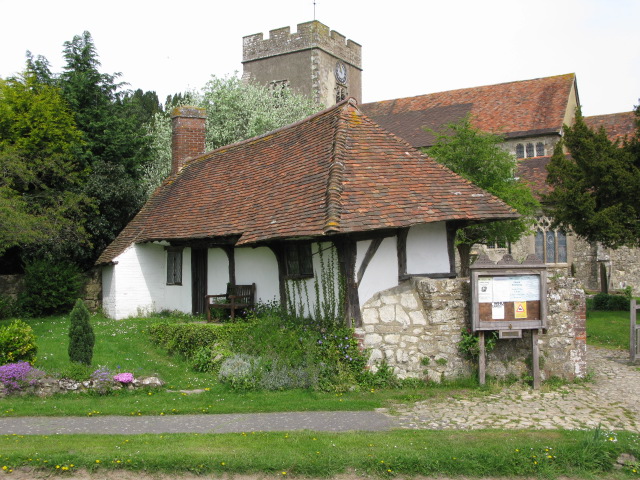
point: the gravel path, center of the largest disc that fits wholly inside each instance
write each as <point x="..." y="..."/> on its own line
<point x="611" y="400"/>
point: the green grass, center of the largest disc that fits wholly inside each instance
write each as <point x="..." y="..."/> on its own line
<point x="542" y="454"/>
<point x="124" y="345"/>
<point x="609" y="329"/>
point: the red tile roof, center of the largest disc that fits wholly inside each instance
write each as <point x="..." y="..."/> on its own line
<point x="334" y="172"/>
<point x="529" y="107"/>
<point x="617" y="125"/>
<point x="533" y="171"/>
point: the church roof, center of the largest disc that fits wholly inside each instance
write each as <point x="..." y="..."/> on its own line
<point x="515" y="109"/>
<point x="617" y="125"/>
<point x="332" y="173"/>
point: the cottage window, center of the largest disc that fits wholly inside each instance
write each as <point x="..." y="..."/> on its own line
<point x="551" y="245"/>
<point x="520" y="150"/>
<point x="174" y="266"/>
<point x="539" y="149"/>
<point x="299" y="260"/>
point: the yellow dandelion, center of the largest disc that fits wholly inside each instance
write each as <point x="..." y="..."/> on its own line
<point x="97" y="461"/>
<point x="222" y="463"/>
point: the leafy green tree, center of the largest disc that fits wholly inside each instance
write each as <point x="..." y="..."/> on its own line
<point x="479" y="157"/>
<point x="81" y="336"/>
<point x="235" y="111"/>
<point x="39" y="174"/>
<point x="596" y="188"/>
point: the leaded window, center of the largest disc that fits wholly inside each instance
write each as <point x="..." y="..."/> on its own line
<point x="539" y="149"/>
<point x="550" y="244"/>
<point x="299" y="260"/>
<point x="174" y="266"/>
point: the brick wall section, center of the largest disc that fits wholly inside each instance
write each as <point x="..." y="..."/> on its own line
<point x="416" y="328"/>
<point x="187" y="135"/>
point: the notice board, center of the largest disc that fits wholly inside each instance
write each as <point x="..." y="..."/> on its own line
<point x="507" y="295"/>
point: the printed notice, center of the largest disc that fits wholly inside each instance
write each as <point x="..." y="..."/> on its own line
<point x="497" y="310"/>
<point x="502" y="289"/>
<point x="525" y="288"/>
<point x="485" y="290"/>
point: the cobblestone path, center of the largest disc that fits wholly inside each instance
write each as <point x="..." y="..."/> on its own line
<point x="611" y="400"/>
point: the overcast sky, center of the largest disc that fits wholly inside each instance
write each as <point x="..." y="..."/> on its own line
<point x="409" y="47"/>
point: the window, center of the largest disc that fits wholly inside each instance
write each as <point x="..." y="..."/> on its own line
<point x="539" y="149"/>
<point x="341" y="93"/>
<point x="520" y="150"/>
<point x="499" y="244"/>
<point x="174" y="266"/>
<point x="298" y="260"/>
<point x="551" y="245"/>
<point x="529" y="150"/>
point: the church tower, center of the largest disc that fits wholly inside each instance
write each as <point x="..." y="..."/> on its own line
<point x="315" y="61"/>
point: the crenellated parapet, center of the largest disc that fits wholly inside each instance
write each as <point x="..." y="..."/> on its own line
<point x="310" y="35"/>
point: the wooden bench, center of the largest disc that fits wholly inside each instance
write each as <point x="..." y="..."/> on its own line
<point x="238" y="297"/>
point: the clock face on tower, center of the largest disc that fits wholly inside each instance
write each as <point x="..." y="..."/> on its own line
<point x="341" y="73"/>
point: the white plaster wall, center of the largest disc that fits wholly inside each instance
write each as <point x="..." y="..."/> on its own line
<point x="108" y="291"/>
<point x="136" y="284"/>
<point x="427" y="249"/>
<point x="259" y="266"/>
<point x="382" y="271"/>
<point x="217" y="271"/>
<point x="304" y="290"/>
<point x="170" y="297"/>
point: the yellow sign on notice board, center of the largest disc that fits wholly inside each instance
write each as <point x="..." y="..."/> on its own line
<point x="520" y="309"/>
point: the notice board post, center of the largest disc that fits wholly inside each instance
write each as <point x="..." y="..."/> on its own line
<point x="509" y="297"/>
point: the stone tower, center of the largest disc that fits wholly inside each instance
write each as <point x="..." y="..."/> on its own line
<point x="315" y="61"/>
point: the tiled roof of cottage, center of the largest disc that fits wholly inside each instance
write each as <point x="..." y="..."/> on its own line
<point x="334" y="172"/>
<point x="529" y="107"/>
<point x="617" y="125"/>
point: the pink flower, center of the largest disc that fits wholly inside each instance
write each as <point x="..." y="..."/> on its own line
<point x="123" y="377"/>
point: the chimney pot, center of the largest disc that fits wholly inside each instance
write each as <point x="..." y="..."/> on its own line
<point x="187" y="135"/>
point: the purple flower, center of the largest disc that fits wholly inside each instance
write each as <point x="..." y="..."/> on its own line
<point x="123" y="377"/>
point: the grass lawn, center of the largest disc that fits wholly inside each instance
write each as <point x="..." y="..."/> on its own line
<point x="609" y="329"/>
<point x="496" y="453"/>
<point x="124" y="345"/>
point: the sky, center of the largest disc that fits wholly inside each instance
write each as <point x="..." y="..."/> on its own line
<point x="409" y="47"/>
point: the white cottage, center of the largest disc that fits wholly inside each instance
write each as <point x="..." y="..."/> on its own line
<point x="333" y="200"/>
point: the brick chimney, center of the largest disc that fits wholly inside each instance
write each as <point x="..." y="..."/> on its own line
<point x="187" y="135"/>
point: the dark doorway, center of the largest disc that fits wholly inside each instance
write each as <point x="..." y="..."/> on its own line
<point x="198" y="279"/>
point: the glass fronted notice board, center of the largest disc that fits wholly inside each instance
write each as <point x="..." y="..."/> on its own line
<point x="509" y="297"/>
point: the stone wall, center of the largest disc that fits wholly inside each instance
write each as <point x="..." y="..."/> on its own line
<point x="416" y="328"/>
<point x="12" y="285"/>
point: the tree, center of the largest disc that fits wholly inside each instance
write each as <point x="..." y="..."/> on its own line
<point x="478" y="157"/>
<point x="39" y="174"/>
<point x="235" y="111"/>
<point x="596" y="188"/>
<point x="116" y="144"/>
<point x="81" y="336"/>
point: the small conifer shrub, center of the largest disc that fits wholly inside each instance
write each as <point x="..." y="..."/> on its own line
<point x="81" y="336"/>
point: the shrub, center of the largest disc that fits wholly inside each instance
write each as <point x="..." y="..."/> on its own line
<point x="17" y="343"/>
<point x="241" y="372"/>
<point x="187" y="339"/>
<point x="17" y="376"/>
<point x="49" y="287"/>
<point x="81" y="336"/>
<point x="102" y="381"/>
<point x="469" y="345"/>
<point x="605" y="301"/>
<point x="209" y="359"/>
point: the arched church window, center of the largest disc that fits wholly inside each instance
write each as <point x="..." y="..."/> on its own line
<point x="529" y="150"/>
